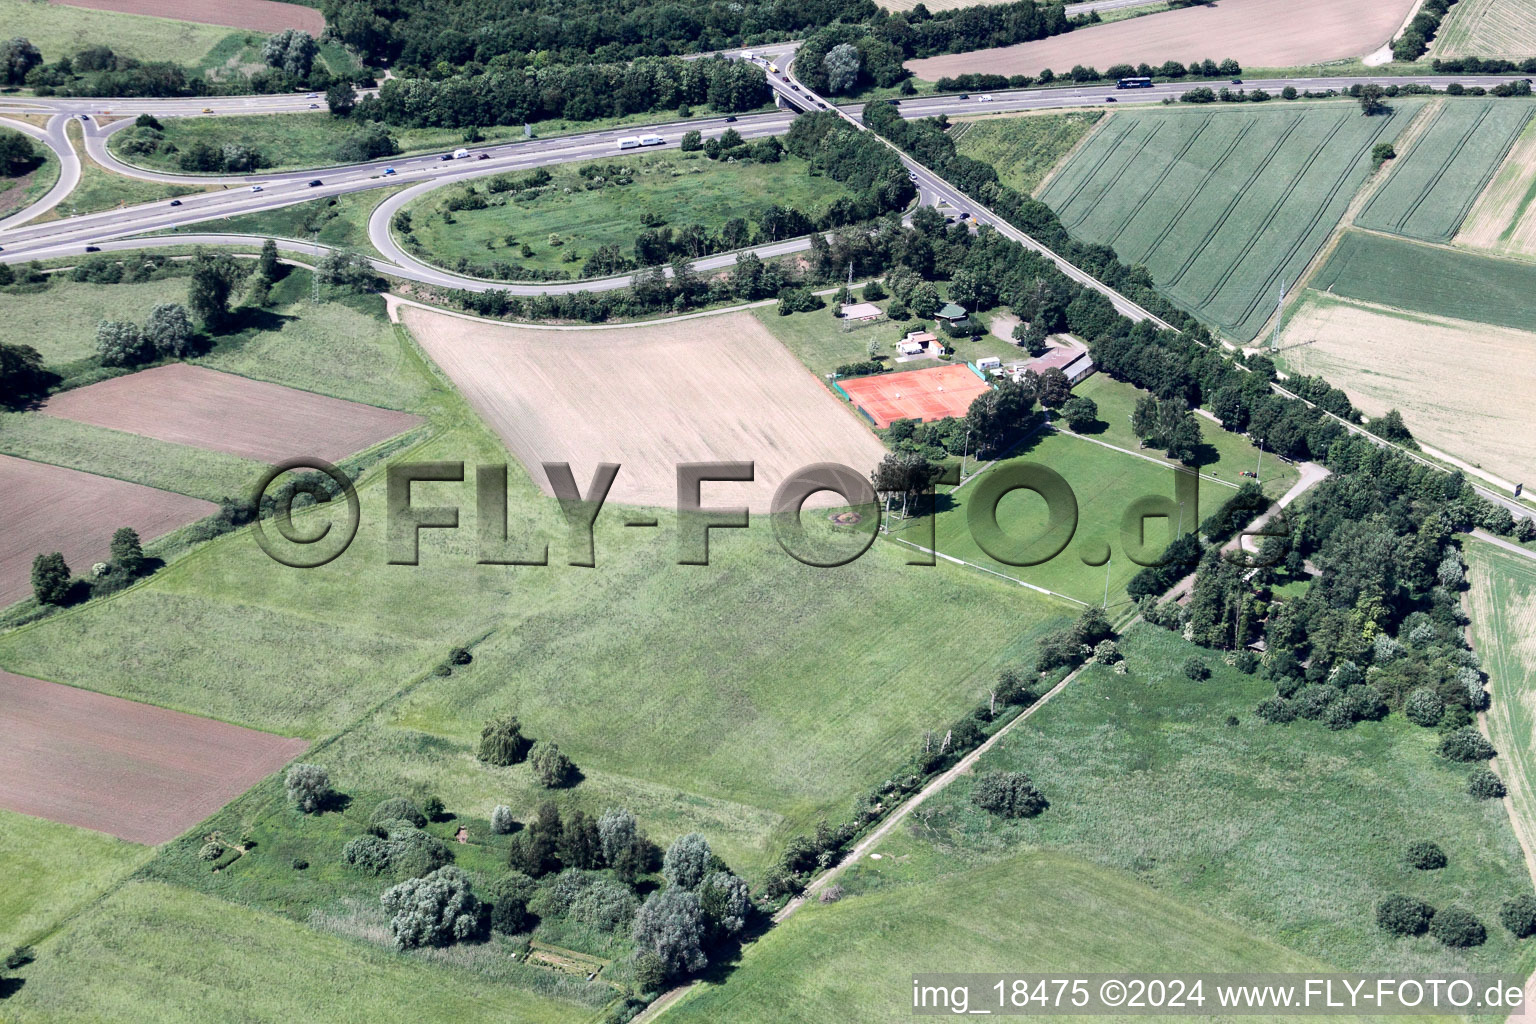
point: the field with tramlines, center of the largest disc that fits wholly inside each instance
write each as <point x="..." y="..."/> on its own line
<point x="1222" y="206"/>
<point x="1435" y="183"/>
<point x="1488" y="28"/>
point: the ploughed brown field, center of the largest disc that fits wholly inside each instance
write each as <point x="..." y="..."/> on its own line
<point x="132" y="770"/>
<point x="259" y="15"/>
<point x="650" y="397"/>
<point x="1255" y="33"/>
<point x="228" y="413"/>
<point x="47" y="508"/>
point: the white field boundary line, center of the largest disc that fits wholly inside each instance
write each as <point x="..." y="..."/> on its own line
<point x="1140" y="455"/>
<point x="994" y="572"/>
<point x="896" y="817"/>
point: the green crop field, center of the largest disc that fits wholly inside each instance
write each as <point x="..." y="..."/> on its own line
<point x="1293" y="832"/>
<point x="52" y="870"/>
<point x="1432" y="186"/>
<point x="1431" y="279"/>
<point x="154" y="952"/>
<point x="1488" y="28"/>
<point x="60" y="31"/>
<point x="1104" y="481"/>
<point x="1502" y="597"/>
<point x="1023" y="149"/>
<point x="565" y="218"/>
<point x="1223" y="206"/>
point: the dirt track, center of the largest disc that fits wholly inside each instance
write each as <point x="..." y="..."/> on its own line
<point x="207" y="409"/>
<point x="46" y="508"/>
<point x="1255" y="33"/>
<point x="715" y="388"/>
<point x="135" y="771"/>
<point x="259" y="15"/>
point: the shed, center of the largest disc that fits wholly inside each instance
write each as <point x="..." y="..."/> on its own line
<point x="951" y="312"/>
<point x="861" y="311"/>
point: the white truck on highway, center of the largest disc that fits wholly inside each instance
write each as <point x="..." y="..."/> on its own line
<point x="629" y="143"/>
<point x="652" y="140"/>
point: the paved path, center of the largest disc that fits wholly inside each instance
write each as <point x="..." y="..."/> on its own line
<point x="1506" y="545"/>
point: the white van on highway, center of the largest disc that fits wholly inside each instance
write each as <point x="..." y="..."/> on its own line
<point x="629" y="143"/>
<point x="460" y="154"/>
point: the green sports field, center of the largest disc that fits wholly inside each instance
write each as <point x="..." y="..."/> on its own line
<point x="1222" y="206"/>
<point x="1105" y="482"/>
<point x="1431" y="279"/>
<point x="1432" y="186"/>
<point x="570" y="216"/>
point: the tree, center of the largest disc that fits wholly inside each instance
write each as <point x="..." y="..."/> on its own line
<point x="1390" y="426"/>
<point x="23" y="375"/>
<point x="120" y="343"/>
<point x="1404" y="915"/>
<point x="1457" y="928"/>
<point x="692" y="141"/>
<point x="726" y="902"/>
<point x="650" y="972"/>
<point x="1196" y="669"/>
<point x="1381" y="153"/>
<point x="502" y="742"/>
<point x="209" y="288"/>
<point x="17" y="154"/>
<point x="266" y="263"/>
<point x="169" y="330"/>
<point x="1424" y="707"/>
<point x="670" y="925"/>
<point x="1372" y="100"/>
<point x="534" y="851"/>
<point x="17" y="57"/>
<point x="686" y="861"/>
<point x="346" y="269"/>
<point x="1426" y="856"/>
<point x="508" y="897"/>
<point x="1008" y="795"/>
<point x="292" y="51"/>
<point x="50" y="578"/>
<point x="309" y="786"/>
<point x="551" y="768"/>
<point x="502" y="822"/>
<point x="617" y="833"/>
<point x="842" y="64"/>
<point x="1519" y="916"/>
<point x="437" y="910"/>
<point x="1466" y="744"/>
<point x="1080" y="412"/>
<point x="341" y="97"/>
<point x="1485" y="785"/>
<point x="924" y="300"/>
<point x="126" y="552"/>
<point x="397" y="808"/>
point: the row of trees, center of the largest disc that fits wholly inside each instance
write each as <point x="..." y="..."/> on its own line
<point x="54" y="584"/>
<point x="168" y="333"/>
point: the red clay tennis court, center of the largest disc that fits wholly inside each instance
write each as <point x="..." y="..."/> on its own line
<point x="930" y="394"/>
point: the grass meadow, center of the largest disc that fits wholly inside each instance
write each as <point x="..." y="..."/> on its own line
<point x="565" y="219"/>
<point x="823" y="344"/>
<point x="338" y="220"/>
<point x="1502" y="602"/>
<point x="1222" y="206"/>
<point x="51" y="870"/>
<point x="60" y="31"/>
<point x="16" y="194"/>
<point x="155" y="952"/>
<point x="1432" y="186"/>
<point x="61" y="319"/>
<point x="1105" y="483"/>
<point x="100" y="189"/>
<point x="1431" y="279"/>
<point x="1023" y="149"/>
<point x="1292" y="832"/>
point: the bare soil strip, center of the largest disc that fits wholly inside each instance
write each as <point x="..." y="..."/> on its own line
<point x="48" y="508"/>
<point x="228" y="413"/>
<point x="717" y="388"/>
<point x="132" y="770"/>
<point x="258" y="15"/>
<point x="1255" y="33"/>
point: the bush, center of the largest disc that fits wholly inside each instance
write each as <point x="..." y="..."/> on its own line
<point x="550" y="767"/>
<point x="1466" y="744"/>
<point x="1276" y="709"/>
<point x="1424" y="707"/>
<point x="309" y="786"/>
<point x="1485" y="785"/>
<point x="508" y="897"/>
<point x="650" y="972"/>
<point x="502" y="822"/>
<point x="1426" y="856"/>
<point x="1008" y="795"/>
<point x="211" y="850"/>
<point x="397" y="808"/>
<point x="433" y="911"/>
<point x="300" y="864"/>
<point x="1404" y="915"/>
<point x="1518" y="916"/>
<point x="1196" y="669"/>
<point x="1457" y="928"/>
<point x="459" y="656"/>
<point x="433" y="808"/>
<point x="502" y="742"/>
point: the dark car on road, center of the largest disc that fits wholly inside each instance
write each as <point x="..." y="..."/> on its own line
<point x="316" y="183"/>
<point x="93" y="248"/>
<point x="175" y="202"/>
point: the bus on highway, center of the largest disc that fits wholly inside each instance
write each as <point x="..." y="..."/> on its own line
<point x="1134" y="83"/>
